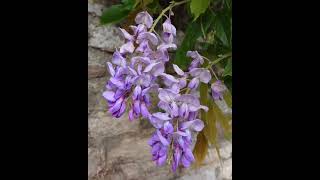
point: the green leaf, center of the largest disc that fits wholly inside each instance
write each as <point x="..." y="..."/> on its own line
<point x="228" y="68"/>
<point x="210" y="129"/>
<point x="224" y="120"/>
<point x="193" y="32"/>
<point x="198" y="7"/>
<point x="200" y="149"/>
<point x="228" y="98"/>
<point x="228" y="82"/>
<point x="223" y="26"/>
<point x="117" y="12"/>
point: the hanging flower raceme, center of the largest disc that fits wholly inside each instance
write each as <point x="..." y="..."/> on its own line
<point x="138" y="69"/>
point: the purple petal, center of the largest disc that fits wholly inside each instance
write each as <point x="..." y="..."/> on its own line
<point x="167" y="95"/>
<point x="163" y="151"/>
<point x="161" y="161"/>
<point x="195" y="72"/>
<point x="194" y="83"/>
<point x="144" y="110"/>
<point x="195" y="55"/>
<point x="150" y="66"/>
<point x="205" y="76"/>
<point x="132" y="71"/>
<point x="167" y="38"/>
<point x="205" y="108"/>
<point x="169" y="77"/>
<point x="182" y="82"/>
<point x="168" y="27"/>
<point x="185" y="162"/>
<point x="155" y="148"/>
<point x="127" y="48"/>
<point x="144" y="18"/>
<point x="136" y="92"/>
<point x="160" y="55"/>
<point x="196" y="125"/>
<point x="156" y="68"/>
<point x="165" y="106"/>
<point x="131" y="117"/>
<point x="174" y="109"/>
<point x="145" y="80"/>
<point x="122" y="109"/>
<point x="119" y="93"/>
<point x="178" y="70"/>
<point x="139" y="69"/>
<point x="161" y="116"/>
<point x="138" y="59"/>
<point x="147" y="36"/>
<point x="175" y="87"/>
<point x="183" y="111"/>
<point x="167" y="46"/>
<point x="111" y="69"/>
<point x="117" y="59"/>
<point x="162" y="139"/>
<point x="120" y="71"/>
<point x="136" y="106"/>
<point x="176" y="159"/>
<point x="192" y="101"/>
<point x="153" y="140"/>
<point x="117" y="82"/>
<point x="168" y="128"/>
<point x="127" y="35"/>
<point x="157" y="123"/>
<point x="181" y="133"/>
<point x="188" y="154"/>
<point x="116" y="107"/>
<point x="109" y="95"/>
<point x="144" y="47"/>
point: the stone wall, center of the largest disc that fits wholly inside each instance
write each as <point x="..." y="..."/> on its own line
<point x="117" y="148"/>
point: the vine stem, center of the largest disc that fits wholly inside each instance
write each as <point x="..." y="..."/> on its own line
<point x="173" y="4"/>
<point x="218" y="60"/>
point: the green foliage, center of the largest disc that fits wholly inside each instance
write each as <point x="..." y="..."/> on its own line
<point x="117" y="12"/>
<point x="193" y="32"/>
<point x="228" y="68"/>
<point x="198" y="7"/>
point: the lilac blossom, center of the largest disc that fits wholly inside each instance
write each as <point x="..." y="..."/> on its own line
<point x="197" y="59"/>
<point x="217" y="89"/>
<point x="135" y="72"/>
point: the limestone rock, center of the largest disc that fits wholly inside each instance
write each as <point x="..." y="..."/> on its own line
<point x="106" y="38"/>
<point x="96" y="161"/>
<point x="97" y="63"/>
<point x="102" y="125"/>
<point x="95" y="8"/>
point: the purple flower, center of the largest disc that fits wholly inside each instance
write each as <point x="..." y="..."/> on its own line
<point x="147" y="36"/>
<point x="158" y="119"/>
<point x="118" y="59"/>
<point x="127" y="48"/>
<point x="199" y="75"/>
<point x="144" y="18"/>
<point x="127" y="35"/>
<point x="169" y="28"/>
<point x="135" y="72"/>
<point x="160" y="142"/>
<point x="217" y="89"/>
<point x="197" y="59"/>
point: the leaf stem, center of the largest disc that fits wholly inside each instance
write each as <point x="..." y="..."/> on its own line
<point x="173" y="4"/>
<point x="218" y="60"/>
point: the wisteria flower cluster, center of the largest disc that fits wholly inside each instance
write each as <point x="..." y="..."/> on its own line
<point x="138" y="69"/>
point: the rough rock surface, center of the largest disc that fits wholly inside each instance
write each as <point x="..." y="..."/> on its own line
<point x="117" y="148"/>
